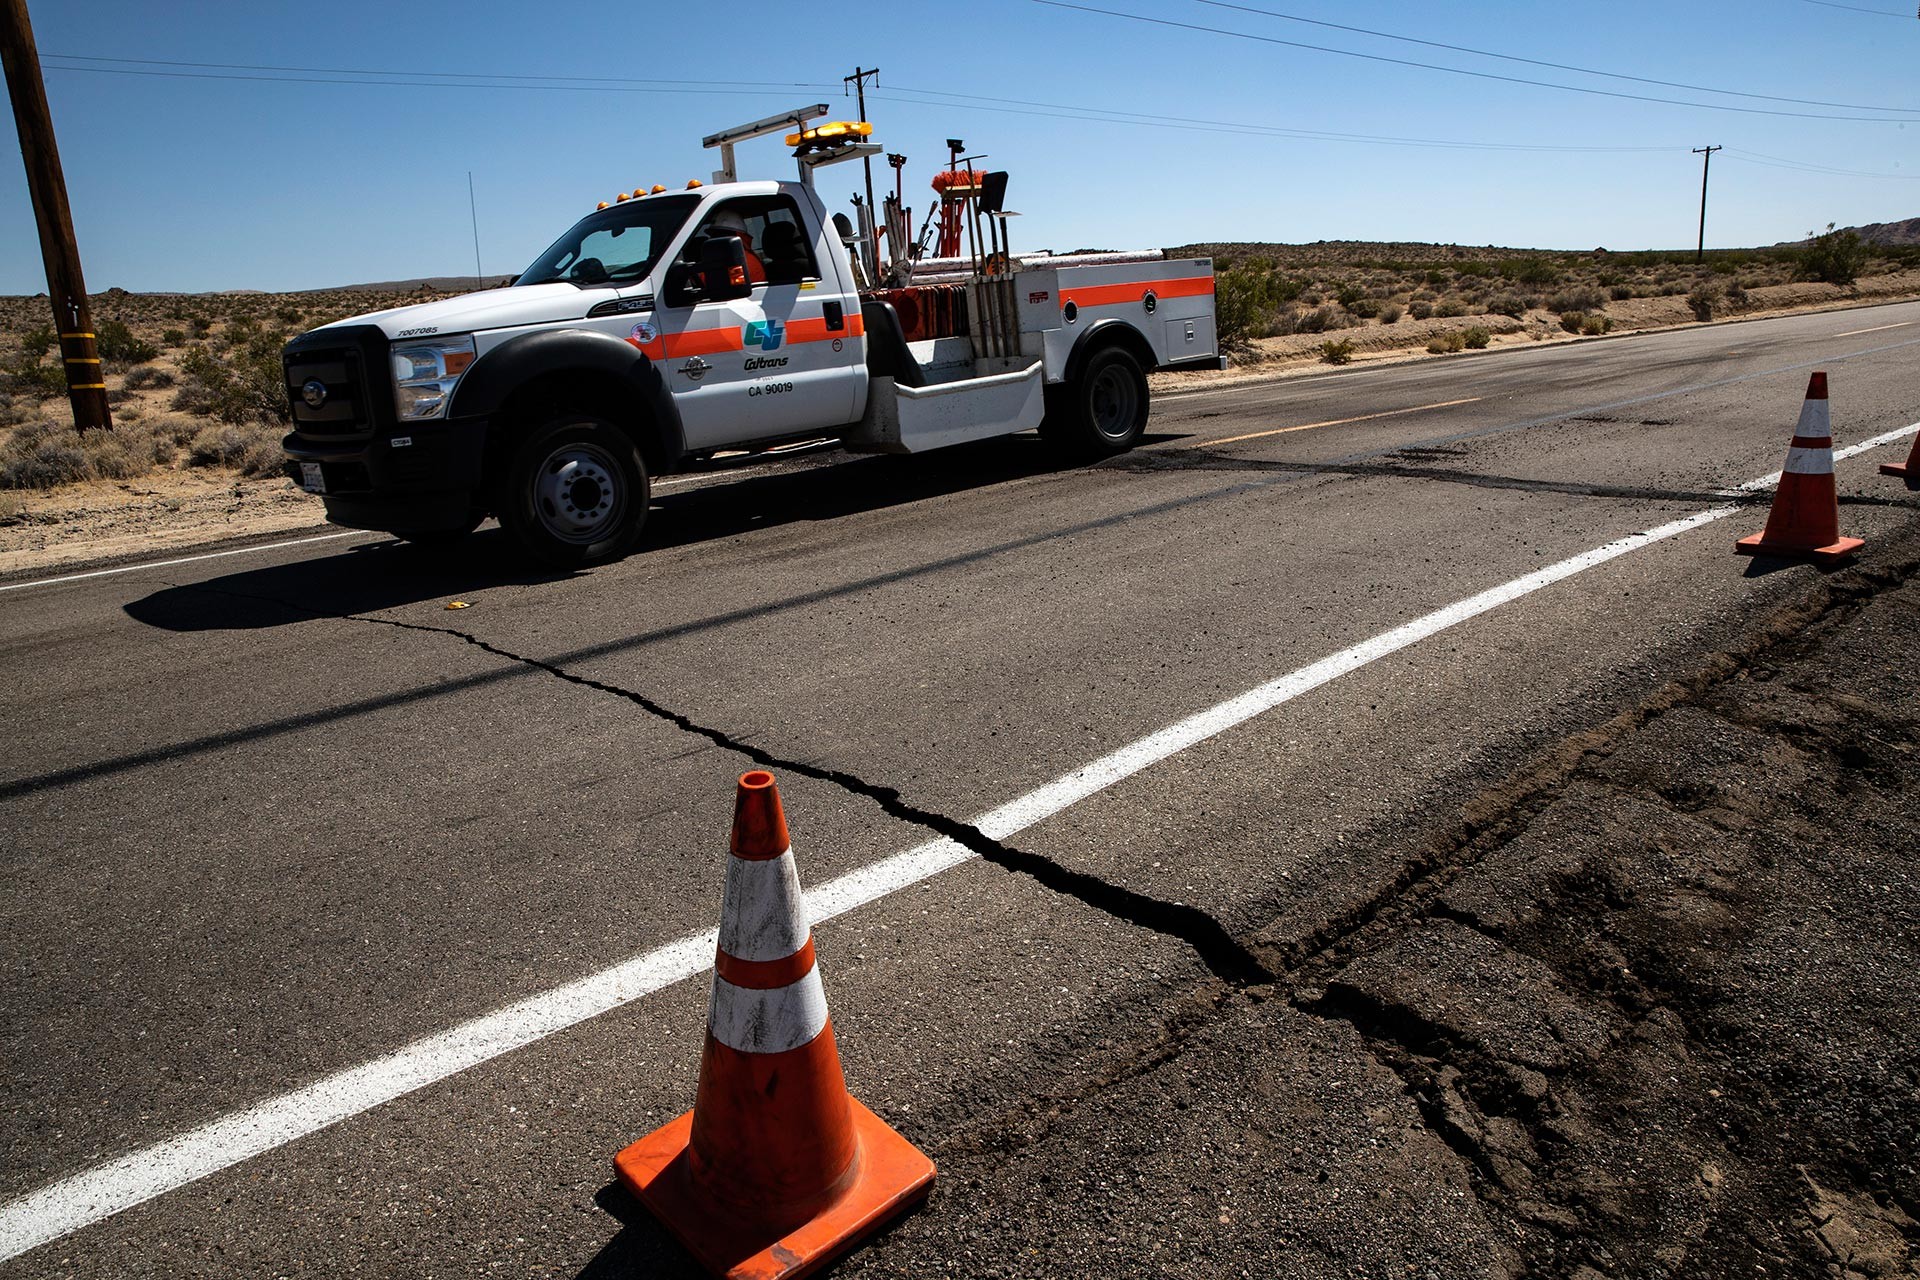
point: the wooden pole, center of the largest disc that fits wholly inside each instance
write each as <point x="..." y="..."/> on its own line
<point x="66" y="288"/>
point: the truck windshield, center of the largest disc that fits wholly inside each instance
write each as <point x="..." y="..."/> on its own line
<point x="618" y="245"/>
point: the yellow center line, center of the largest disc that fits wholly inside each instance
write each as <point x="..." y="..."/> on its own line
<point x="1333" y="422"/>
<point x="1876" y="329"/>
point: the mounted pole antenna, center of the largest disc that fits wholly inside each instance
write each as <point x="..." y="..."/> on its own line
<point x="726" y="138"/>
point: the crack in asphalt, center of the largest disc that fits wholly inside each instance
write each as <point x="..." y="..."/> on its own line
<point x="1224" y="957"/>
<point x="1227" y="959"/>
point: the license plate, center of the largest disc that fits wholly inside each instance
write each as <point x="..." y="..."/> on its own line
<point x="312" y="479"/>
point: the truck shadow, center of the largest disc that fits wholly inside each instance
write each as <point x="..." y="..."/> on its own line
<point x="387" y="575"/>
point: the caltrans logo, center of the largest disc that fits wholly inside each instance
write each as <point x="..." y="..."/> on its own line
<point x="765" y="334"/>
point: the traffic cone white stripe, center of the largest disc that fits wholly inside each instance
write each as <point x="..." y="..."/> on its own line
<point x="1810" y="462"/>
<point x="762" y="915"/>
<point x="767" y="1021"/>
<point x="1815" y="418"/>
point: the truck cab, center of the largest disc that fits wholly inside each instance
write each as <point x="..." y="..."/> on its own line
<point x="667" y="324"/>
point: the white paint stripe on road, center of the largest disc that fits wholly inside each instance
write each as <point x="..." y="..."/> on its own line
<point x="167" y="564"/>
<point x="100" y="1192"/>
<point x="1879" y="328"/>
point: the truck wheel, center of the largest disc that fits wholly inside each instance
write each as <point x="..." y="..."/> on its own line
<point x="576" y="492"/>
<point x="1101" y="412"/>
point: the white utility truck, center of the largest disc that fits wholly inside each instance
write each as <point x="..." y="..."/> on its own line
<point x="668" y="325"/>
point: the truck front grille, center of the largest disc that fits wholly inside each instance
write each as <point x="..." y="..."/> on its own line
<point x="337" y="378"/>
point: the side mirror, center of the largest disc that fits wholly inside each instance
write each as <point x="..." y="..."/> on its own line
<point x="718" y="273"/>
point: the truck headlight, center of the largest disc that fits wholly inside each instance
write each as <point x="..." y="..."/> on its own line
<point x="424" y="373"/>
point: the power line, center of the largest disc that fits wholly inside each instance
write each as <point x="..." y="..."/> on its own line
<point x="1834" y="4"/>
<point x="611" y="84"/>
<point x="1098" y="115"/>
<point x="1557" y="66"/>
<point x="1461" y="71"/>
<point x="423" y="84"/>
<point x="431" y="75"/>
<point x="1781" y="162"/>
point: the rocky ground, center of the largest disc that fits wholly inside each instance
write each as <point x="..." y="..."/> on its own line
<point x="1644" y="1009"/>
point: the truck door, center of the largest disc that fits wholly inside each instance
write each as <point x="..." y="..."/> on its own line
<point x="782" y="362"/>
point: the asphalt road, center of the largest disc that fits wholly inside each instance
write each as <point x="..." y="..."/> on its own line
<point x="269" y="818"/>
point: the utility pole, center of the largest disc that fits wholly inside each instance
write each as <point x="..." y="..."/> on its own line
<point x="66" y="289"/>
<point x="859" y="82"/>
<point x="1706" y="162"/>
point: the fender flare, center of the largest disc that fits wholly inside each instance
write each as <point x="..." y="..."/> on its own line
<point x="506" y="368"/>
<point x="1110" y="332"/>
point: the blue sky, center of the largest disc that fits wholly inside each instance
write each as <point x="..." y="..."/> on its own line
<point x="186" y="181"/>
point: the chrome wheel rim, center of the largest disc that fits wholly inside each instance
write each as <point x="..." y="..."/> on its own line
<point x="579" y="494"/>
<point x="1114" y="403"/>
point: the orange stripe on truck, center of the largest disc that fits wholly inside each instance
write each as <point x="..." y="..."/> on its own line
<point x="706" y="342"/>
<point x="1103" y="295"/>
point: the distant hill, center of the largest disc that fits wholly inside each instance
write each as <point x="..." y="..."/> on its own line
<point x="1888" y="233"/>
<point x="430" y="284"/>
<point x="1907" y="232"/>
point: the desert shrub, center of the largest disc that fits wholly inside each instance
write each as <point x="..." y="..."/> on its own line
<point x="1834" y="257"/>
<point x="1337" y="351"/>
<point x="1579" y="299"/>
<point x="11" y="410"/>
<point x="1348" y="294"/>
<point x="1247" y="302"/>
<point x="1620" y="292"/>
<point x="117" y="345"/>
<point x="1704" y="300"/>
<point x="200" y="326"/>
<point x="1318" y="320"/>
<point x="1438" y="280"/>
<point x="147" y="375"/>
<point x="36" y="342"/>
<point x="287" y="314"/>
<point x="247" y="386"/>
<point x="1737" y="297"/>
<point x="1508" y="305"/>
<point x="1450" y="308"/>
<point x="48" y="454"/>
<point x="173" y="337"/>
<point x="31" y="376"/>
<point x="1475" y="338"/>
<point x="1445" y="343"/>
<point x="1530" y="271"/>
<point x="1365" y="308"/>
<point x="1391" y="314"/>
<point x="1420" y="309"/>
<point x="41" y="457"/>
<point x="1474" y="269"/>
<point x="1595" y="324"/>
<point x="253" y="449"/>
<point x="1572" y="320"/>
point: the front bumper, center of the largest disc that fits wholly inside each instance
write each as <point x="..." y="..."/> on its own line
<point x="423" y="476"/>
<point x="372" y="470"/>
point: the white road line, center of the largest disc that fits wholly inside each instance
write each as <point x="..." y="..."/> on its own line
<point x="1879" y="328"/>
<point x="167" y="564"/>
<point x="98" y="1193"/>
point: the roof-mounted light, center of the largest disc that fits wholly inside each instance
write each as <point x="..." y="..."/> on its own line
<point x="833" y="131"/>
<point x="657" y="189"/>
<point x="694" y="184"/>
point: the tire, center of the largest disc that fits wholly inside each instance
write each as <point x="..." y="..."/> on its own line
<point x="576" y="492"/>
<point x="1103" y="411"/>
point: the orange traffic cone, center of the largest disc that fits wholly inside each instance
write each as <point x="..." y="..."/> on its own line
<point x="1908" y="470"/>
<point x="777" y="1169"/>
<point x="1805" y="520"/>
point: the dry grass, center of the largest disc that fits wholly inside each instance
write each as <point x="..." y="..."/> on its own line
<point x="193" y="381"/>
